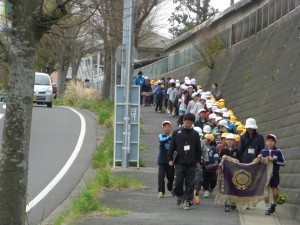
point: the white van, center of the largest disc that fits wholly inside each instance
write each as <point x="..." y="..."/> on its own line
<point x="43" y="89"/>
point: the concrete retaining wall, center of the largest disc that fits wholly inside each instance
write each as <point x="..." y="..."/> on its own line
<point x="260" y="78"/>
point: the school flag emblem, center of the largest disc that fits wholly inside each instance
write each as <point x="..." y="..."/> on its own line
<point x="243" y="183"/>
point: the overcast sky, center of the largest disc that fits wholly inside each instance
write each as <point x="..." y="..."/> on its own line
<point x="168" y="7"/>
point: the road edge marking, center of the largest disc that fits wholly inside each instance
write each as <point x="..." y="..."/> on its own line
<point x="65" y="168"/>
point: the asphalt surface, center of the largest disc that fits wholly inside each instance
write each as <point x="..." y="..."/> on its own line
<point x="145" y="208"/>
<point x="54" y="135"/>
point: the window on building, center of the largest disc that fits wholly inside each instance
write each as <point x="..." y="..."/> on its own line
<point x="240" y="31"/>
<point x="271" y="12"/>
<point x="285" y="7"/>
<point x="246" y="27"/>
<point x="259" y="20"/>
<point x="292" y="5"/>
<point x="252" y="23"/>
<point x="234" y="34"/>
<point x="278" y="10"/>
<point x="265" y="16"/>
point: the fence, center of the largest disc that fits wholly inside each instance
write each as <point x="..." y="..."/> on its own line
<point x="250" y="24"/>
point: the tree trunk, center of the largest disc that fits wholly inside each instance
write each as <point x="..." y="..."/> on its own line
<point x="61" y="76"/>
<point x="17" y="122"/>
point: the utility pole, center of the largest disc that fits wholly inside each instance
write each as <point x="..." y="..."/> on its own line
<point x="126" y="68"/>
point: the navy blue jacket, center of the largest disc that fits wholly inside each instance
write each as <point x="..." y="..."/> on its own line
<point x="256" y="142"/>
<point x="213" y="157"/>
<point x="277" y="155"/>
<point x="164" y="146"/>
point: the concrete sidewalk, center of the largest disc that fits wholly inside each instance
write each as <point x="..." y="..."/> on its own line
<point x="146" y="208"/>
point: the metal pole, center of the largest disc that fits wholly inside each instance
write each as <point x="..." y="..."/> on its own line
<point x="125" y="75"/>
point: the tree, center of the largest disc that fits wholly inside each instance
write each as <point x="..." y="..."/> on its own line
<point x="108" y="22"/>
<point x="188" y="14"/>
<point x="29" y="21"/>
<point x="209" y="50"/>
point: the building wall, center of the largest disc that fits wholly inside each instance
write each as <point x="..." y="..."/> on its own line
<point x="259" y="78"/>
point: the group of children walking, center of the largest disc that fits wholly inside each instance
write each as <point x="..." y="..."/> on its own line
<point x="189" y="156"/>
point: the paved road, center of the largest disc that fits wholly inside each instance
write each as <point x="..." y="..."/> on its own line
<point x="54" y="138"/>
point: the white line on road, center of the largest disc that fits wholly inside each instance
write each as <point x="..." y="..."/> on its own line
<point x="1" y="115"/>
<point x="66" y="167"/>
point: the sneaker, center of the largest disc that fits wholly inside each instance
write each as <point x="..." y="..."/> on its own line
<point x="227" y="208"/>
<point x="160" y="194"/>
<point x="206" y="194"/>
<point x="186" y="205"/>
<point x="267" y="212"/>
<point x="272" y="208"/>
<point x="246" y="208"/>
<point x="232" y="206"/>
<point x="178" y="201"/>
<point x="196" y="200"/>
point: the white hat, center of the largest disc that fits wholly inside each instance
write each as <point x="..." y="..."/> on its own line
<point x="146" y="78"/>
<point x="203" y="97"/>
<point x="223" y="123"/>
<point x="177" y="81"/>
<point x="184" y="87"/>
<point x="207" y="129"/>
<point x="193" y="81"/>
<point x="218" y="118"/>
<point x="201" y="110"/>
<point x="218" y="111"/>
<point x="224" y="109"/>
<point x="159" y="81"/>
<point x="165" y="122"/>
<point x="186" y="78"/>
<point x="226" y="115"/>
<point x="200" y="91"/>
<point x="251" y="123"/>
<point x="271" y="136"/>
<point x="199" y="130"/>
<point x="230" y="136"/>
<point x="209" y="105"/>
<point x="188" y="82"/>
<point x="177" y="84"/>
<point x="172" y="81"/>
<point x="214" y="108"/>
<point x="194" y="94"/>
<point x="212" y="116"/>
<point x="208" y="93"/>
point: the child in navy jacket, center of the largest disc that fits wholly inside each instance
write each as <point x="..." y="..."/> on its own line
<point x="276" y="156"/>
<point x="164" y="169"/>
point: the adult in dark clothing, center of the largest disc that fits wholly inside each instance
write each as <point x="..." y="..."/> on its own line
<point x="251" y="143"/>
<point x="215" y="91"/>
<point x="146" y="91"/>
<point x="186" y="143"/>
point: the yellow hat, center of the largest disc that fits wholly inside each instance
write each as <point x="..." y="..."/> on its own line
<point x="230" y="112"/>
<point x="155" y="83"/>
<point x="233" y="119"/>
<point x="162" y="86"/>
<point x="199" y="87"/>
<point x="237" y="123"/>
<point x="221" y="100"/>
<point x="244" y="131"/>
<point x="209" y="137"/>
<point x="212" y="98"/>
<point x="224" y="135"/>
<point x="221" y="105"/>
<point x="240" y="127"/>
<point x="237" y="138"/>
